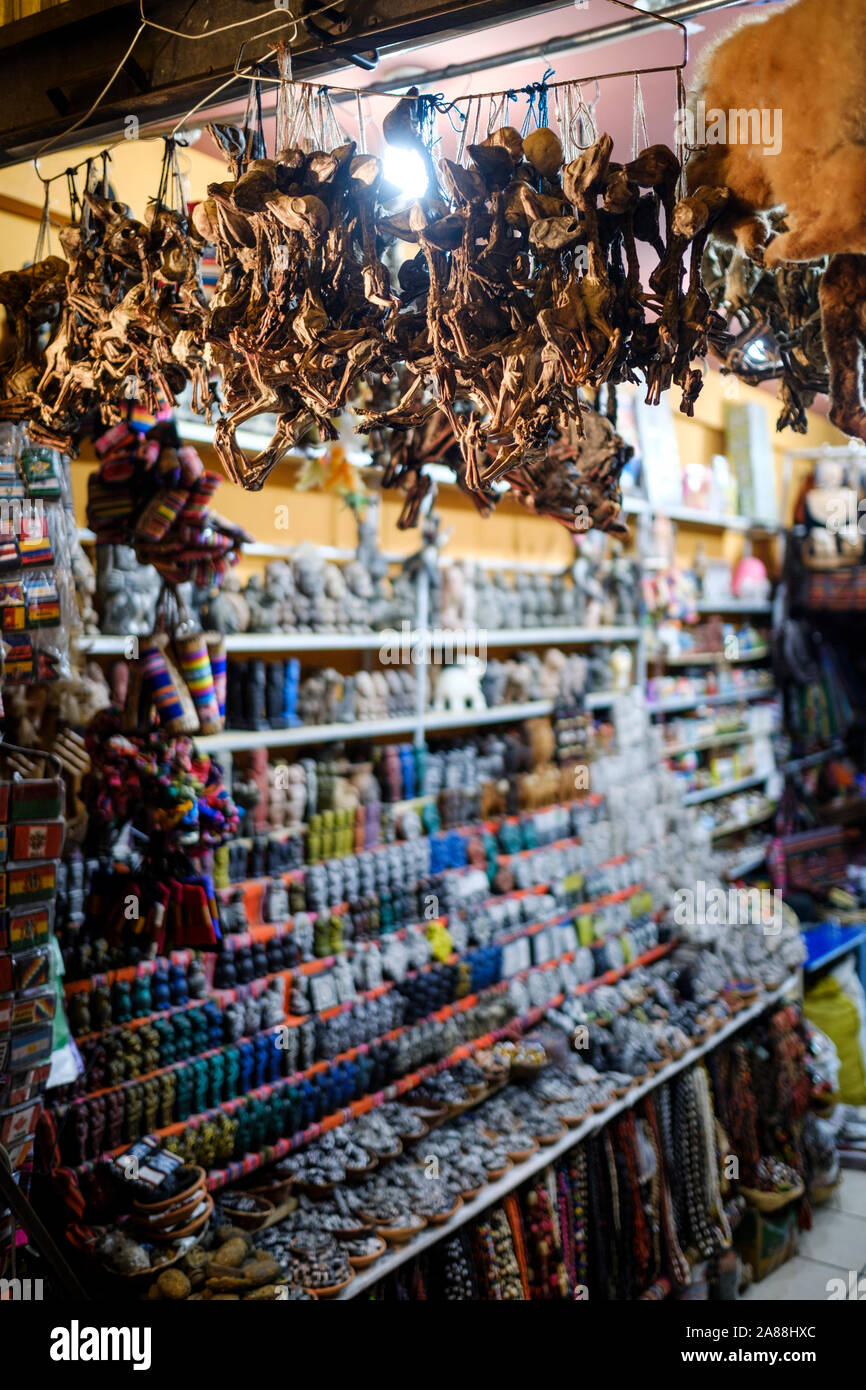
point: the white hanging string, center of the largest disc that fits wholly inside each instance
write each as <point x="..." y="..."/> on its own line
<point x="680" y="147"/>
<point x="639" y="126"/>
<point x="285" y="97"/>
<point x="587" y="127"/>
<point x="109" y="84"/>
<point x="362" y="125"/>
<point x="464" y="134"/>
<point x="43" y="238"/>
<point x="474" y="140"/>
<point x="494" y="106"/>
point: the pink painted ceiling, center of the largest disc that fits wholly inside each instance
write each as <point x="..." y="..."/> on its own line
<point x="615" y="107"/>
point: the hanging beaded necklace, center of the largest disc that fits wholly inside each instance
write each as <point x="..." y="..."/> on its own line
<point x="690" y="1148"/>
<point x="677" y="1264"/>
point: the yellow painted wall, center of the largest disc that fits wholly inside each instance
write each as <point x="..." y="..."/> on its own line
<point x="135" y="167"/>
<point x="510" y="532"/>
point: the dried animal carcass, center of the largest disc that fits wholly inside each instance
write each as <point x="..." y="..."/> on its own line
<point x="774" y="324"/>
<point x="528" y="285"/>
<point x="575" y="479"/>
<point x="124" y="315"/>
<point x="303" y="297"/>
<point x="32" y="299"/>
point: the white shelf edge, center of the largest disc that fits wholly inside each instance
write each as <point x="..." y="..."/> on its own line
<point x="286" y="642"/>
<point x="746" y="863"/>
<point x="456" y="719"/>
<point x="743" y="784"/>
<point x="719" y="521"/>
<point x="548" y="1153"/>
<point x="732" y="605"/>
<point x="728" y="740"/>
<point x="678" y="703"/>
<point x="730" y="827"/>
<point x="241" y="740"/>
<point x="709" y="658"/>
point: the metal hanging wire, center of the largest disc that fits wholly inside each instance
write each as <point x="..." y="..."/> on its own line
<point x="574" y="121"/>
<point x="575" y="116"/>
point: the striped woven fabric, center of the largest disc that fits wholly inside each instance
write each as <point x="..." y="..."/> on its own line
<point x="160" y="514"/>
<point x="159" y="682"/>
<point x="202" y="491"/>
<point x="217" y="654"/>
<point x="117" y="437"/>
<point x="194" y="663"/>
<point x="191" y="466"/>
<point x="108" y="508"/>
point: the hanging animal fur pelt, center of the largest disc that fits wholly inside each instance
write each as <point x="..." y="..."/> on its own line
<point x="779" y="116"/>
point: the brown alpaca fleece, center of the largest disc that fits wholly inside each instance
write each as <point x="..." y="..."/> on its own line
<point x="807" y="60"/>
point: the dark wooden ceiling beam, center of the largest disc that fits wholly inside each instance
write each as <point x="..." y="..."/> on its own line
<point x="56" y="63"/>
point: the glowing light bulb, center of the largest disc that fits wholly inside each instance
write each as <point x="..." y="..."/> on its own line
<point x="406" y="170"/>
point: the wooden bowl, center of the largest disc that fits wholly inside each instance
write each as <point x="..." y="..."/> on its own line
<point x="330" y="1290"/>
<point x="442" y="1216"/>
<point x="182" y="1247"/>
<point x="570" y="1122"/>
<point x="546" y="1139"/>
<point x="250" y="1220"/>
<point x="473" y="1192"/>
<point x="314" y="1189"/>
<point x="771" y="1201"/>
<point x="171" y="1217"/>
<point x="276" y="1192"/>
<point x="428" y="1110"/>
<point x="521" y="1155"/>
<point x="410" y="1140"/>
<point x="357" y="1174"/>
<point x="398" y="1235"/>
<point x="363" y="1261"/>
<point x="363" y="1228"/>
<point x="192" y="1227"/>
<point x="494" y="1174"/>
<point x="390" y="1153"/>
<point x="163" y="1204"/>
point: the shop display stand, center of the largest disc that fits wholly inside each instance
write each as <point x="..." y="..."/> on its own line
<point x="12" y="1196"/>
<point x="752" y="857"/>
<point x="828" y="942"/>
<point x="519" y="1174"/>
